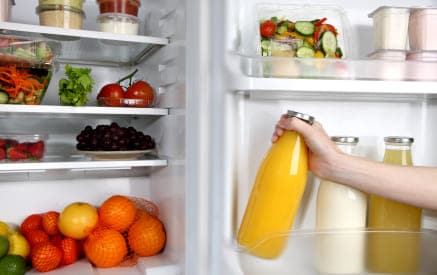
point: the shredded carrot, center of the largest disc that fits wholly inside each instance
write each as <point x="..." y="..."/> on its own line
<point x="17" y="81"/>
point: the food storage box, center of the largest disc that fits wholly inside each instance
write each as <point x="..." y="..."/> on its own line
<point x="118" y="23"/>
<point x="390" y="27"/>
<point x="25" y="69"/>
<point x="119" y="6"/>
<point x="315" y="31"/>
<point x="124" y="102"/>
<point x="77" y="4"/>
<point x="15" y="147"/>
<point x="421" y="30"/>
<point x="60" y="16"/>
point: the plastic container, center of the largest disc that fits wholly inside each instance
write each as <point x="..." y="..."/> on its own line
<point x="16" y="147"/>
<point x="423" y="65"/>
<point x="60" y="16"/>
<point x="118" y="23"/>
<point x="393" y="66"/>
<point x="5" y="10"/>
<point x="123" y="102"/>
<point x="77" y="4"/>
<point x="421" y="29"/>
<point x="119" y="6"/>
<point x="390" y="27"/>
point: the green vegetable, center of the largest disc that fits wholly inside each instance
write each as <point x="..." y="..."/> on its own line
<point x="74" y="90"/>
<point x="305" y="52"/>
<point x="305" y="28"/>
<point x="4" y="97"/>
<point x="329" y="43"/>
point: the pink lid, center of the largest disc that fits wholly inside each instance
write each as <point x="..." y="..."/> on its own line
<point x="423" y="11"/>
<point x="422" y="56"/>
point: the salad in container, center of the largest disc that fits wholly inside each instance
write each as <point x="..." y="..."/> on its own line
<point x="25" y="69"/>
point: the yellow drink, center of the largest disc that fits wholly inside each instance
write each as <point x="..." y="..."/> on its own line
<point x="275" y="197"/>
<point x="393" y="252"/>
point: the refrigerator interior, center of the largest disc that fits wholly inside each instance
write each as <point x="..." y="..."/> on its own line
<point x="64" y="175"/>
<point x="358" y="101"/>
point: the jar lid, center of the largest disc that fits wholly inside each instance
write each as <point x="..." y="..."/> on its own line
<point x="307" y="118"/>
<point x="345" y="139"/>
<point x="42" y="8"/>
<point x="389" y="9"/>
<point x="422" y="56"/>
<point x="399" y="139"/>
<point x="120" y="3"/>
<point x="117" y="17"/>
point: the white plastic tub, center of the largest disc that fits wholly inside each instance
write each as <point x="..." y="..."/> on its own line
<point x="421" y="29"/>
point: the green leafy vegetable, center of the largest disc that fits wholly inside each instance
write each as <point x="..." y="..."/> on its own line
<point x="74" y="90"/>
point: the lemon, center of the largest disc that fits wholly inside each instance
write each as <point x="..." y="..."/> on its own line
<point x="4" y="229"/>
<point x="12" y="265"/>
<point x="18" y="245"/>
<point x="4" y="246"/>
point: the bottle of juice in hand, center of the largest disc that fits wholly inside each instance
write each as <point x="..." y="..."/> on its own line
<point x="276" y="195"/>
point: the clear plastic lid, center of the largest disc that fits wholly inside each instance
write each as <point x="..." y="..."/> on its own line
<point x="24" y="137"/>
<point x="389" y="9"/>
<point x="117" y="17"/>
<point x="394" y="55"/>
<point x="345" y="139"/>
<point x="307" y="118"/>
<point x="43" y="8"/>
<point x="399" y="140"/>
<point x="427" y="56"/>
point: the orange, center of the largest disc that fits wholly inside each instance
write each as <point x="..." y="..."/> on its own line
<point x="105" y="247"/>
<point x="31" y="222"/>
<point x="45" y="257"/>
<point x="117" y="212"/>
<point x="141" y="213"/>
<point x="36" y="236"/>
<point x="146" y="236"/>
<point x="50" y="222"/>
<point x="70" y="251"/>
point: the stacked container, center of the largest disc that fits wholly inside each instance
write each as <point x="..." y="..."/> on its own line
<point x="61" y="13"/>
<point x="119" y="16"/>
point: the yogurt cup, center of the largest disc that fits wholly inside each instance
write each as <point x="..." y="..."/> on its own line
<point x="5" y="9"/>
<point x="421" y="29"/>
<point x="118" y="23"/>
<point x="392" y="65"/>
<point x="390" y="27"/>
<point x="422" y="65"/>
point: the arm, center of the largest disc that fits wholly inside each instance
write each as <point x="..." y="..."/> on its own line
<point x="412" y="185"/>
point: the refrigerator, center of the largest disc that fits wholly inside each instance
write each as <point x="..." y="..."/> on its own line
<point x="217" y="103"/>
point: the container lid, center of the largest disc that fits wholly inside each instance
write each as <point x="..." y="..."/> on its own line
<point x="383" y="54"/>
<point x="307" y="118"/>
<point x="117" y="17"/>
<point x="345" y="139"/>
<point x="388" y="9"/>
<point x="27" y="137"/>
<point x="419" y="11"/>
<point x="42" y="8"/>
<point x="422" y="56"/>
<point x="399" y="139"/>
<point x="120" y="3"/>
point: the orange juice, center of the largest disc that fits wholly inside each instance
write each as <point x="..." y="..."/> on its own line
<point x="275" y="196"/>
<point x="394" y="252"/>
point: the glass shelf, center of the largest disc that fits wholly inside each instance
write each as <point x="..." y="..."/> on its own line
<point x="91" y="47"/>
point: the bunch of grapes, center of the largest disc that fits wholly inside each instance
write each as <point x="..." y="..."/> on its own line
<point x="113" y="138"/>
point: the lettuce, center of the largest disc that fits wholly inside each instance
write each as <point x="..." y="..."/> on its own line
<point x="74" y="90"/>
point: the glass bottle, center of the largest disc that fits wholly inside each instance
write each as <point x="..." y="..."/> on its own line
<point x="340" y="208"/>
<point x="398" y="250"/>
<point x="276" y="195"/>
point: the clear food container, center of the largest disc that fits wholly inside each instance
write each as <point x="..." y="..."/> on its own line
<point x="15" y="147"/>
<point x="60" y="16"/>
<point x="118" y="23"/>
<point x="119" y="6"/>
<point x="422" y="65"/>
<point x="77" y="4"/>
<point x="392" y="65"/>
<point x="390" y="27"/>
<point x="124" y="102"/>
<point x="421" y="29"/>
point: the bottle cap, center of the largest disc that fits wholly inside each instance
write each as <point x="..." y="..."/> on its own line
<point x="345" y="139"/>
<point x="397" y="139"/>
<point x="307" y="118"/>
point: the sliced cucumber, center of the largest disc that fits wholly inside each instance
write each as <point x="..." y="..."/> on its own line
<point x="329" y="43"/>
<point x="281" y="29"/>
<point x="4" y="97"/>
<point x="305" y="28"/>
<point x="305" y="52"/>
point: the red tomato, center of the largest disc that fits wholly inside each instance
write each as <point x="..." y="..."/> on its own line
<point x="140" y="90"/>
<point x="267" y="28"/>
<point x="112" y="94"/>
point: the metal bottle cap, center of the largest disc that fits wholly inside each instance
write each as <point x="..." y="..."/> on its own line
<point x="307" y="118"/>
<point x="397" y="139"/>
<point x="345" y="139"/>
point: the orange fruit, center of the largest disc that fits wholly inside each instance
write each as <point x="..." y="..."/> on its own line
<point x="50" y="222"/>
<point x="117" y="212"/>
<point x="70" y="251"/>
<point x="31" y="222"/>
<point x="141" y="213"/>
<point x="146" y="236"/>
<point x="37" y="236"/>
<point x="105" y="247"/>
<point x="45" y="257"/>
<point x="77" y="220"/>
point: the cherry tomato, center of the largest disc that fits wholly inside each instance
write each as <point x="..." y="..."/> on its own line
<point x="140" y="90"/>
<point x="111" y="95"/>
<point x="267" y="28"/>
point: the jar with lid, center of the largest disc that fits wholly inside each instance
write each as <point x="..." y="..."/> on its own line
<point x="276" y="195"/>
<point x="396" y="251"/>
<point x="341" y="212"/>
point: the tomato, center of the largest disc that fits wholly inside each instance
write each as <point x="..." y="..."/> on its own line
<point x="267" y="28"/>
<point x="111" y="94"/>
<point x="140" y="90"/>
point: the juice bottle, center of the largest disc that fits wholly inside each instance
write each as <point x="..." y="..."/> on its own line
<point x="340" y="208"/>
<point x="276" y="195"/>
<point x="396" y="251"/>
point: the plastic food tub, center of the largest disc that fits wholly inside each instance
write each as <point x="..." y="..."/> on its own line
<point x="392" y="65"/>
<point x="119" y="6"/>
<point x="60" y="16"/>
<point x="5" y="9"/>
<point x="77" y="4"/>
<point x="118" y="23"/>
<point x="15" y="147"/>
<point x="421" y="29"/>
<point x="422" y="65"/>
<point x="390" y="27"/>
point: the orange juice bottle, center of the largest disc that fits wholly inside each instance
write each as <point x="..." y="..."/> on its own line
<point x="395" y="251"/>
<point x="276" y="195"/>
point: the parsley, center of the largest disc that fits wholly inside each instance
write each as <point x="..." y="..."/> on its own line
<point x="74" y="90"/>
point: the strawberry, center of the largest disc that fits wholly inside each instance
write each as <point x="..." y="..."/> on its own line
<point x="50" y="222"/>
<point x="31" y="222"/>
<point x="36" y="149"/>
<point x="70" y="251"/>
<point x="15" y="153"/>
<point x="2" y="153"/>
<point x="10" y="142"/>
<point x="36" y="236"/>
<point x="21" y="147"/>
<point x="45" y="257"/>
